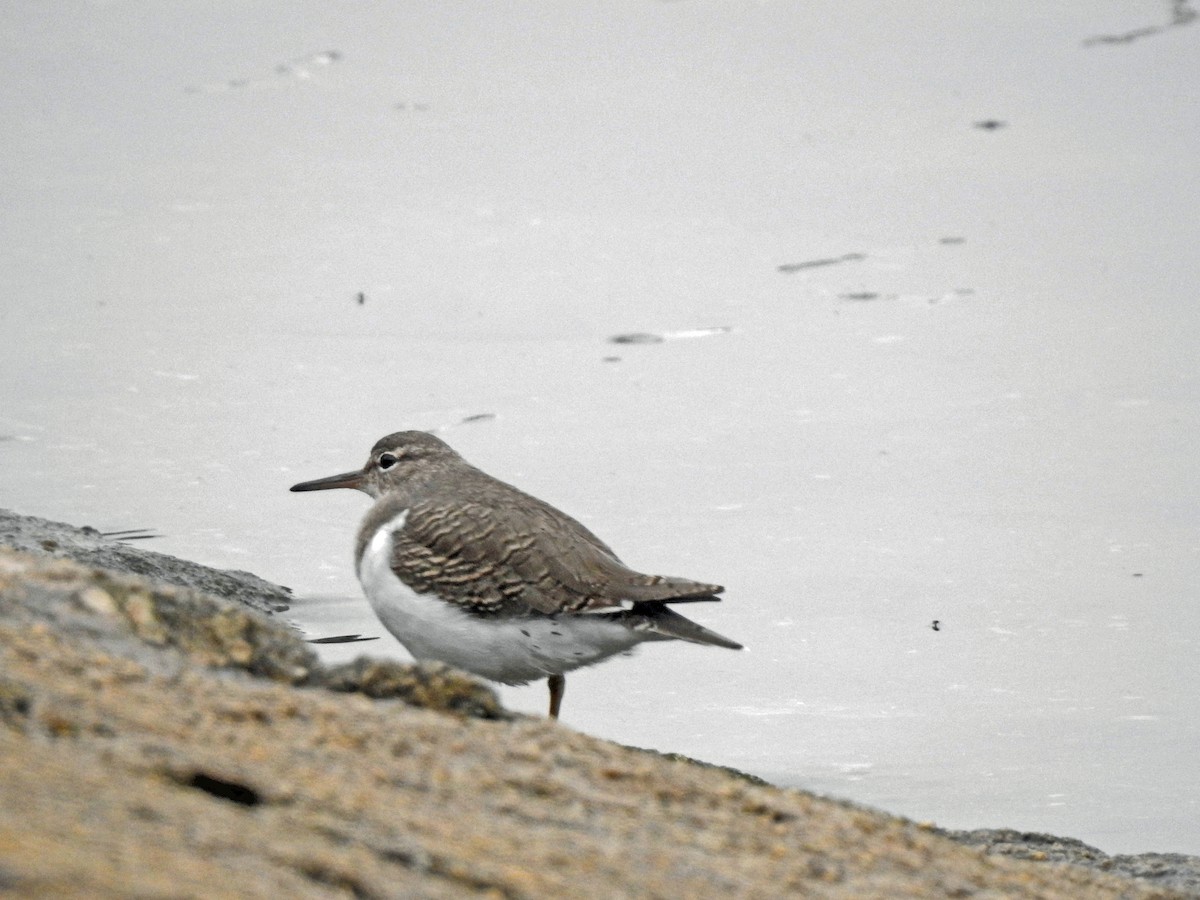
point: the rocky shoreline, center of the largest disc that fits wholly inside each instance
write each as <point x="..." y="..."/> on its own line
<point x="164" y="735"/>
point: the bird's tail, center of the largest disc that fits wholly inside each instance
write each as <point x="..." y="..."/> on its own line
<point x="656" y="617"/>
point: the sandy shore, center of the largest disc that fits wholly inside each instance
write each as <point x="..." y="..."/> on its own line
<point x="163" y="735"/>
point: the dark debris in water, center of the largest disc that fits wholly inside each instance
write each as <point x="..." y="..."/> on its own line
<point x="816" y="263"/>
<point x="1181" y="14"/>
<point x="645" y="337"/>
<point x="639" y="337"/>
<point x="298" y="70"/>
<point x="131" y="534"/>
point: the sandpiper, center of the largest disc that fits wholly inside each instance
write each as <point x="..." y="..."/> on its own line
<point x="466" y="569"/>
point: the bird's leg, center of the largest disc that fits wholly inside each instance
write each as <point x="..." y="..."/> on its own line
<point x="557" y="685"/>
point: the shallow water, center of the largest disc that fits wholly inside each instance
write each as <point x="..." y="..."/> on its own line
<point x="913" y="369"/>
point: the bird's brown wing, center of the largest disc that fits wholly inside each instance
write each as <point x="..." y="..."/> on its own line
<point x="520" y="556"/>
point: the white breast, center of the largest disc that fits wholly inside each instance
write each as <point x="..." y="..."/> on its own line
<point x="512" y="651"/>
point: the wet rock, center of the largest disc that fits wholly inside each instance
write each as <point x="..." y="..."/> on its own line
<point x="1174" y="871"/>
<point x="42" y="537"/>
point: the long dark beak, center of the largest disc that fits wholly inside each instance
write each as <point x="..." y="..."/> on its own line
<point x="351" y="480"/>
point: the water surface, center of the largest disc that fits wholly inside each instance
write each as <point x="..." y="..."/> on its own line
<point x="913" y="369"/>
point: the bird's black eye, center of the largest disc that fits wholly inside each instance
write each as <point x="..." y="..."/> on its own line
<point x="387" y="460"/>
